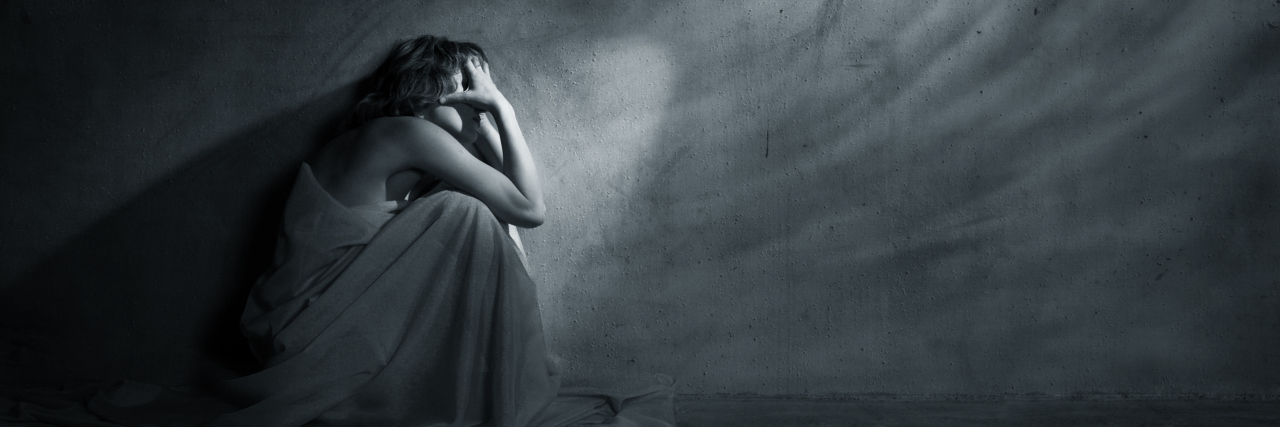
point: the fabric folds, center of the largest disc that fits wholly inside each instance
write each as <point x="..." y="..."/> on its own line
<point x="424" y="317"/>
<point x="378" y="315"/>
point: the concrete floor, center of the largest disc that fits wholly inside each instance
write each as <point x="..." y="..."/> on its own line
<point x="752" y="412"/>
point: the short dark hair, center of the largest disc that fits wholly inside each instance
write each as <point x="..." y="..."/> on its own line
<point x="417" y="73"/>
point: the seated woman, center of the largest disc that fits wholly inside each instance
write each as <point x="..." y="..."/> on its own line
<point x="398" y="295"/>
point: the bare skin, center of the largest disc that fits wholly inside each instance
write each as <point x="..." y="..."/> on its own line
<point x="394" y="158"/>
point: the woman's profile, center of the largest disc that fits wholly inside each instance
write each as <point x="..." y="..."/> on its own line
<point x="398" y="293"/>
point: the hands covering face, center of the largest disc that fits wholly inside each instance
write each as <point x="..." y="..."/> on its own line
<point x="482" y="94"/>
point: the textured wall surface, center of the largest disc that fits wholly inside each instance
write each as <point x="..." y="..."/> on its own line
<point x="923" y="198"/>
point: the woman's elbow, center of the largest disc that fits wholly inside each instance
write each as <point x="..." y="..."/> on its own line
<point x="529" y="218"/>
<point x="527" y="222"/>
<point x="535" y="218"/>
<point x="533" y="223"/>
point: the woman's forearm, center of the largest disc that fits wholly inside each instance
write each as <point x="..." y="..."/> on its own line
<point x="517" y="162"/>
<point x="491" y="145"/>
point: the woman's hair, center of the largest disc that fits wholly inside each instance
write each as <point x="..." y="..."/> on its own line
<point x="417" y="73"/>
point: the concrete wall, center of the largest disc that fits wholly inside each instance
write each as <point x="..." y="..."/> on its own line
<point x="920" y="198"/>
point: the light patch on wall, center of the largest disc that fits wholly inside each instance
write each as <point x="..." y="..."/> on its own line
<point x="616" y="92"/>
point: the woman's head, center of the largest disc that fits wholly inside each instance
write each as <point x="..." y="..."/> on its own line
<point x="415" y="75"/>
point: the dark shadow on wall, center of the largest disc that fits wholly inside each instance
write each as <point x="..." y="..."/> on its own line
<point x="154" y="291"/>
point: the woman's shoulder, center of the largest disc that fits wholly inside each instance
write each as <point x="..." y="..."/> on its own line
<point x="379" y="141"/>
<point x="388" y="145"/>
<point x="404" y="129"/>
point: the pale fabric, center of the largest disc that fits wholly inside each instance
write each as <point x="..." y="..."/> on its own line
<point x="424" y="317"/>
<point x="378" y="315"/>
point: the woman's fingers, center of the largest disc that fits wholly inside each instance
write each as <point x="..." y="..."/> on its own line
<point x="482" y="93"/>
<point x="464" y="97"/>
<point x="478" y="69"/>
<point x="474" y="67"/>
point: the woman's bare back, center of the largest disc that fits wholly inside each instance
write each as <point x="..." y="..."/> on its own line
<point x="364" y="166"/>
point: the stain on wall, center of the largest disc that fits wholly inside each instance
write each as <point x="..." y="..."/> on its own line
<point x="914" y="198"/>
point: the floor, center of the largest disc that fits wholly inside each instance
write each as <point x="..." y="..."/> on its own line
<point x="752" y="412"/>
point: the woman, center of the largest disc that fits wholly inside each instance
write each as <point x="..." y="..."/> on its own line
<point x="397" y="296"/>
<point x="391" y="153"/>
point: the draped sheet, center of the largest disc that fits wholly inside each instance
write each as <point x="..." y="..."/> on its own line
<point x="422" y="317"/>
<point x="392" y="315"/>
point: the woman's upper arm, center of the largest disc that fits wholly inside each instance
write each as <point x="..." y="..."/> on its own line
<point x="432" y="149"/>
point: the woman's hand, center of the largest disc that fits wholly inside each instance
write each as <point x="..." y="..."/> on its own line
<point x="489" y="136"/>
<point x="513" y="191"/>
<point x="482" y="94"/>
